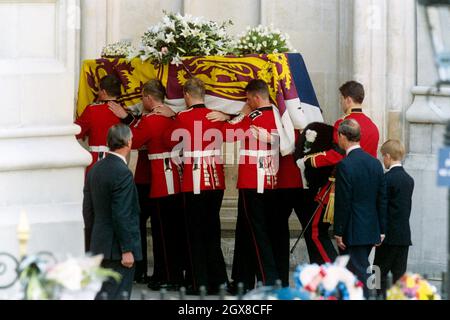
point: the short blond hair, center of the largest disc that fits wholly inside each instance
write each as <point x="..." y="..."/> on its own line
<point x="155" y="89"/>
<point x="195" y="87"/>
<point x="394" y="148"/>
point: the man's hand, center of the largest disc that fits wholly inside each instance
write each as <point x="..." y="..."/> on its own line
<point x="383" y="236"/>
<point x="261" y="134"/>
<point x="164" y="111"/>
<point x="217" y="116"/>
<point x="117" y="109"/>
<point x="340" y="243"/>
<point x="127" y="260"/>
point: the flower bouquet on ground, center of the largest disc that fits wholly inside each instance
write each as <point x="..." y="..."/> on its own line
<point x="177" y="36"/>
<point x="314" y="282"/>
<point x="121" y="49"/>
<point x="329" y="281"/>
<point x="263" y="40"/>
<point x="74" y="279"/>
<point x="412" y="287"/>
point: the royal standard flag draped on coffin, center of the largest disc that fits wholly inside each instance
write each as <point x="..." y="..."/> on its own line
<point x="225" y="79"/>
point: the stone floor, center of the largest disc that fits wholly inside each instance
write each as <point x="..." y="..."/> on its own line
<point x="299" y="257"/>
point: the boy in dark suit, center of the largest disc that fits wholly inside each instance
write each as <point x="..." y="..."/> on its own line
<point x="392" y="255"/>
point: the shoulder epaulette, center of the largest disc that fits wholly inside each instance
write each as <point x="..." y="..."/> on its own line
<point x="255" y="114"/>
<point x="184" y="111"/>
<point x="98" y="103"/>
<point x="312" y="158"/>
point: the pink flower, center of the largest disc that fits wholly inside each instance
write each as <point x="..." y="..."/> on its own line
<point x="164" y="50"/>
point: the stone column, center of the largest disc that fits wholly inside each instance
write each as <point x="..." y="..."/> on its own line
<point x="384" y="61"/>
<point x="93" y="28"/>
<point x="42" y="164"/>
<point x="369" y="56"/>
<point x="401" y="68"/>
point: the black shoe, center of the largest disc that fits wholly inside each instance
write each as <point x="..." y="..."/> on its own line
<point x="142" y="279"/>
<point x="173" y="286"/>
<point x="233" y="289"/>
<point x="215" y="289"/>
<point x="191" y="291"/>
<point x="157" y="285"/>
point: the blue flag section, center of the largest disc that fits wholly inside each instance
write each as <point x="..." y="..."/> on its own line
<point x="302" y="80"/>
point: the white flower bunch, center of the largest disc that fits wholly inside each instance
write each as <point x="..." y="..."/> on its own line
<point x="119" y="49"/>
<point x="177" y="36"/>
<point x="263" y="40"/>
<point x="311" y="137"/>
<point x="72" y="279"/>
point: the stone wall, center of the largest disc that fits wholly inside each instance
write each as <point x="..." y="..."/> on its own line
<point x="42" y="164"/>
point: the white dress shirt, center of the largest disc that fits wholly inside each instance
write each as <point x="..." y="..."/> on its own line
<point x="120" y="156"/>
<point x="395" y="165"/>
<point x="353" y="148"/>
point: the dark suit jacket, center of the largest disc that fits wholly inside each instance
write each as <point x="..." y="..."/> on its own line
<point x="360" y="207"/>
<point x="111" y="209"/>
<point x="400" y="187"/>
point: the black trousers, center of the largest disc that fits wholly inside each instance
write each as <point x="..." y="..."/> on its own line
<point x="359" y="263"/>
<point x="117" y="290"/>
<point x="169" y="238"/>
<point x="207" y="264"/>
<point x="144" y="203"/>
<point x="260" y="238"/>
<point x="391" y="259"/>
<point x="317" y="238"/>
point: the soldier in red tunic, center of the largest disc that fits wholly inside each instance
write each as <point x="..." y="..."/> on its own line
<point x="96" y="119"/>
<point x="258" y="227"/>
<point x="142" y="180"/>
<point x="95" y="122"/>
<point x="352" y="97"/>
<point x="167" y="218"/>
<point x="314" y="208"/>
<point x="203" y="185"/>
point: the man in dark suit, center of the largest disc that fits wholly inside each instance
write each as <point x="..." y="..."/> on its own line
<point x="111" y="209"/>
<point x="360" y="208"/>
<point x="392" y="255"/>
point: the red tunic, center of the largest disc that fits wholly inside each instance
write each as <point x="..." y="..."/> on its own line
<point x="289" y="175"/>
<point x="142" y="174"/>
<point x="369" y="140"/>
<point x="95" y="122"/>
<point x="202" y="149"/>
<point x="164" y="173"/>
<point x="256" y="158"/>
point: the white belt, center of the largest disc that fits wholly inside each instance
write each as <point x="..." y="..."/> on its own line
<point x="168" y="170"/>
<point x="258" y="153"/>
<point x="260" y="170"/>
<point x="198" y="156"/>
<point x="202" y="154"/>
<point x="99" y="149"/>
<point x="163" y="155"/>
